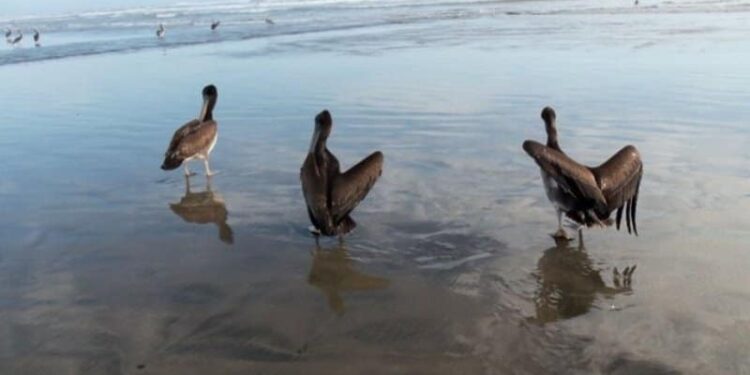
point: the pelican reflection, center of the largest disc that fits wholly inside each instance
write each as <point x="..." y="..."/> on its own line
<point x="333" y="272"/>
<point x="568" y="282"/>
<point x="204" y="207"/>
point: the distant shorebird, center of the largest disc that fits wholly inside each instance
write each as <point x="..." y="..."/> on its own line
<point x="195" y="139"/>
<point x="215" y="25"/>
<point x="587" y="195"/>
<point x="36" y="38"/>
<point x="8" y="33"/>
<point x="331" y="195"/>
<point x="269" y="21"/>
<point x="17" y="39"/>
<point x="160" y="31"/>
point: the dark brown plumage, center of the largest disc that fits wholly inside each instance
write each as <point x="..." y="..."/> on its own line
<point x="588" y="195"/>
<point x="196" y="138"/>
<point x="329" y="194"/>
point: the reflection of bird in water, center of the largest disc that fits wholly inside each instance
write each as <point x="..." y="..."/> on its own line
<point x="586" y="195"/>
<point x="568" y="283"/>
<point x="196" y="138"/>
<point x="215" y="25"/>
<point x="333" y="273"/>
<point x="204" y="207"/>
<point x="331" y="195"/>
<point x="160" y="31"/>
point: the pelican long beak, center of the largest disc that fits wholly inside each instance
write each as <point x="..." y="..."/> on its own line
<point x="204" y="109"/>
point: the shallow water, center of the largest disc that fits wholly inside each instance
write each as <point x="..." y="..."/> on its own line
<point x="108" y="266"/>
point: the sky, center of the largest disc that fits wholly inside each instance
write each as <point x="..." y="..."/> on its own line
<point x="16" y="8"/>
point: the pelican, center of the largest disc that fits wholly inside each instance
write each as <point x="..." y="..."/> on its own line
<point x="587" y="195"/>
<point x="196" y="138"/>
<point x="215" y="25"/>
<point x="36" y="38"/>
<point x="17" y="39"/>
<point x="331" y="195"/>
<point x="269" y="21"/>
<point x="160" y="31"/>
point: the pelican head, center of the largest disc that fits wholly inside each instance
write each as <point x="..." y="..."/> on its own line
<point x="210" y="94"/>
<point x="323" y="125"/>
<point x="549" y="117"/>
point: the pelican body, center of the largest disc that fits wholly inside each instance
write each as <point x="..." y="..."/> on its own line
<point x="587" y="195"/>
<point x="329" y="194"/>
<point x="196" y="138"/>
<point x="215" y="25"/>
<point x="36" y="38"/>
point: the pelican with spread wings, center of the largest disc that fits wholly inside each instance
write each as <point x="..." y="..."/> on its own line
<point x="587" y="195"/>
<point x="331" y="195"/>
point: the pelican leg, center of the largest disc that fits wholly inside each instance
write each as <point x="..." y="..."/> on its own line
<point x="187" y="171"/>
<point x="208" y="169"/>
<point x="560" y="234"/>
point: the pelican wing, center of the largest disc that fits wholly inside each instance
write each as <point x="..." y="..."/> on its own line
<point x="191" y="138"/>
<point x="620" y="180"/>
<point x="351" y="187"/>
<point x="574" y="178"/>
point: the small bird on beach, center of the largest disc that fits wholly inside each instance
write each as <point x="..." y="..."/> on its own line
<point x="215" y="25"/>
<point x="17" y="39"/>
<point x="160" y="31"/>
<point x="269" y="21"/>
<point x="329" y="194"/>
<point x="587" y="195"/>
<point x="196" y="138"/>
<point x="36" y="38"/>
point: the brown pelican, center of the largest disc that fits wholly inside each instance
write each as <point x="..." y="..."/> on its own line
<point x="36" y="38"/>
<point x="568" y="282"/>
<point x="204" y="207"/>
<point x="587" y="195"/>
<point x="331" y="195"/>
<point x="160" y="31"/>
<point x="215" y="25"/>
<point x="196" y="138"/>
<point x="333" y="273"/>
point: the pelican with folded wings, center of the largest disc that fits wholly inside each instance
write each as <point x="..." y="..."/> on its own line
<point x="331" y="195"/>
<point x="587" y="195"/>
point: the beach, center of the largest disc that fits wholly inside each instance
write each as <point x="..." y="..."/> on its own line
<point x="106" y="268"/>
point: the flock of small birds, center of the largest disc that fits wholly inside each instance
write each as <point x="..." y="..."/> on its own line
<point x="161" y="30"/>
<point x="14" y="39"/>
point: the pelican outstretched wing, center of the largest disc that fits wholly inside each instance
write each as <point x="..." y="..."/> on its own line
<point x="620" y="180"/>
<point x="352" y="187"/>
<point x="574" y="178"/>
